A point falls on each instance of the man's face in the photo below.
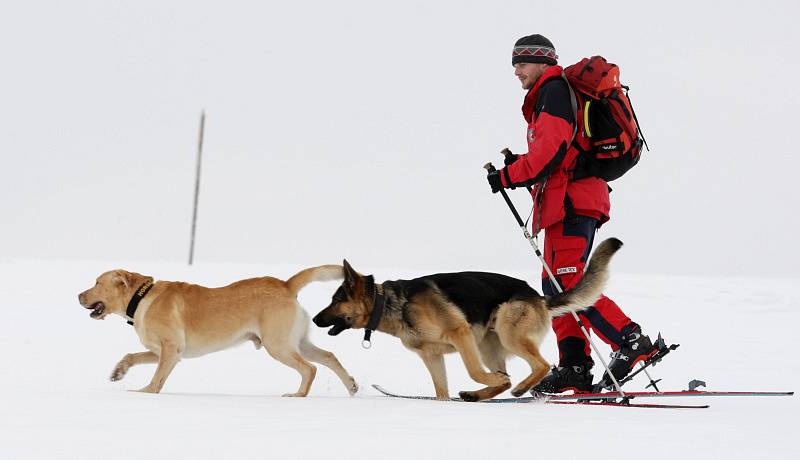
(528, 73)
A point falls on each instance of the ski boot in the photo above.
(564, 378)
(636, 347)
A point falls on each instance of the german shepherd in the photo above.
(485, 317)
(177, 320)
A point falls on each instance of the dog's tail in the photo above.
(309, 275)
(589, 288)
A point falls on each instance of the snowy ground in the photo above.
(57, 402)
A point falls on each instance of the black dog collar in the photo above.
(378, 302)
(137, 297)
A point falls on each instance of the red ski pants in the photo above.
(567, 246)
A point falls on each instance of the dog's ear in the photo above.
(350, 275)
(351, 278)
(122, 278)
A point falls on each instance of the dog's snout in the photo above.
(318, 320)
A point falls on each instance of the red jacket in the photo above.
(551, 157)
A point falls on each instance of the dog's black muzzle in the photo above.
(325, 320)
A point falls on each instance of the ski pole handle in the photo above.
(508, 157)
(489, 167)
(507, 153)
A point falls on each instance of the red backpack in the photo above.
(608, 120)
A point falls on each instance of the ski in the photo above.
(386, 392)
(606, 399)
(608, 403)
(611, 395)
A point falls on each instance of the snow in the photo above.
(736, 334)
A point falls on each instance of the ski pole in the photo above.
(490, 168)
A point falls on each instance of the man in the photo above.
(569, 211)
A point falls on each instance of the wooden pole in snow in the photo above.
(197, 183)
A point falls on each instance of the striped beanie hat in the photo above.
(536, 49)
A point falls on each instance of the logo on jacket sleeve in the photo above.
(564, 270)
(530, 135)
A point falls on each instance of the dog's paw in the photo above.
(469, 396)
(119, 371)
(352, 387)
(519, 391)
(294, 395)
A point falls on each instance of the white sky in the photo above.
(358, 130)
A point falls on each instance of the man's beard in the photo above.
(528, 83)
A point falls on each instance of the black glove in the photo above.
(494, 181)
(509, 158)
